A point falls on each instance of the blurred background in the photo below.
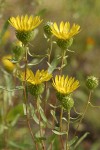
(84, 61)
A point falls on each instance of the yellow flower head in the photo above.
(64, 31)
(65, 85)
(8, 65)
(25, 23)
(38, 78)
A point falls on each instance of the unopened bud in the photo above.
(91, 82)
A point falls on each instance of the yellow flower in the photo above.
(25, 23)
(65, 85)
(8, 65)
(64, 31)
(24, 26)
(38, 78)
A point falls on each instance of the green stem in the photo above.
(61, 112)
(39, 116)
(61, 115)
(86, 107)
(67, 136)
(26, 101)
(49, 60)
(50, 50)
(62, 61)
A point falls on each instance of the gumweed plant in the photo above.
(38, 84)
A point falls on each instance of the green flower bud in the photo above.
(91, 82)
(18, 52)
(60, 96)
(36, 90)
(47, 29)
(64, 44)
(67, 102)
(24, 36)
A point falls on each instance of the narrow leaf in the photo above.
(81, 139)
(54, 116)
(43, 115)
(53, 65)
(71, 142)
(59, 133)
(15, 112)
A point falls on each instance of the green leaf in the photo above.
(38, 136)
(47, 94)
(51, 139)
(71, 142)
(59, 133)
(54, 116)
(4, 29)
(81, 139)
(40, 139)
(63, 118)
(42, 12)
(54, 106)
(15, 113)
(15, 145)
(36, 61)
(3, 128)
(53, 65)
(33, 113)
(96, 145)
(43, 115)
(11, 90)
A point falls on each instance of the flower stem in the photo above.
(67, 136)
(26, 101)
(61, 112)
(86, 107)
(50, 50)
(61, 115)
(62, 61)
(39, 117)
